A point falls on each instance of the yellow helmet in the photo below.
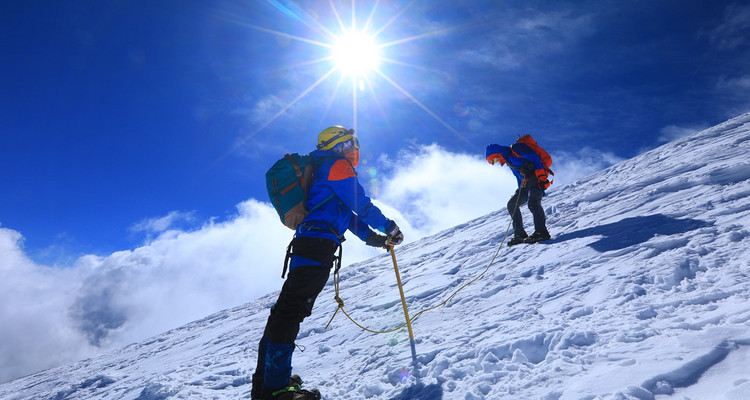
(333, 135)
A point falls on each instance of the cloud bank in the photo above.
(52, 315)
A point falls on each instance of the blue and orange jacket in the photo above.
(519, 157)
(337, 202)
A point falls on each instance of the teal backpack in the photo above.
(287, 182)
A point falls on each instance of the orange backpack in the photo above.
(542, 175)
(543, 155)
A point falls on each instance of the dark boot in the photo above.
(293, 391)
(538, 237)
(518, 238)
(296, 394)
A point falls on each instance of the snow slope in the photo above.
(642, 294)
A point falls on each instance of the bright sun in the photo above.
(355, 54)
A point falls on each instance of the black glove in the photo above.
(394, 234)
(375, 240)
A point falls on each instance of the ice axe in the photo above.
(403, 303)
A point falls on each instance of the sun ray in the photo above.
(422, 106)
(336, 14)
(293, 102)
(287, 9)
(393, 19)
(330, 101)
(354, 102)
(278, 114)
(376, 99)
(422, 36)
(301, 64)
(286, 35)
(371, 16)
(405, 64)
(301, 16)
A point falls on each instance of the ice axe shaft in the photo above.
(403, 303)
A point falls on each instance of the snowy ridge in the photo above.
(642, 294)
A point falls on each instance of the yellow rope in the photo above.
(336, 280)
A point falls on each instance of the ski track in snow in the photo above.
(641, 294)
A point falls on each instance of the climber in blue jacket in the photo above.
(337, 203)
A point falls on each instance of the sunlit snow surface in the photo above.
(642, 294)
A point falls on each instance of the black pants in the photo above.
(302, 286)
(533, 195)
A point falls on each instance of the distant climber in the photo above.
(528, 166)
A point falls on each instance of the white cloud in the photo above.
(569, 167)
(56, 315)
(556, 29)
(107, 302)
(36, 332)
(528, 35)
(732, 31)
(739, 86)
(181, 276)
(673, 132)
(434, 189)
(159, 225)
(263, 109)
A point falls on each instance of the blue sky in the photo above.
(122, 120)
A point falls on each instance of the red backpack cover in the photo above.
(543, 155)
(542, 175)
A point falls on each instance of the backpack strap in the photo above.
(317, 163)
(326, 199)
(298, 171)
(287, 258)
(337, 260)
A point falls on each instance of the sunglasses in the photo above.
(348, 146)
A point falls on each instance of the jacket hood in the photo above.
(497, 149)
